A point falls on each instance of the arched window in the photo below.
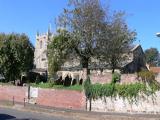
(40, 44)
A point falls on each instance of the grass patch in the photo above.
(42, 85)
(6, 84)
(53, 86)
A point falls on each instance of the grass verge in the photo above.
(53, 86)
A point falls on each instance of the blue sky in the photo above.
(30, 16)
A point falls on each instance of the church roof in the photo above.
(94, 66)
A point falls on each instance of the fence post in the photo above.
(24, 103)
(13, 100)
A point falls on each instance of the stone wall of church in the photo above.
(40, 54)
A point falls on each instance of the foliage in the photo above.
(5, 84)
(93, 32)
(53, 86)
(87, 87)
(154, 86)
(42, 85)
(16, 55)
(38, 80)
(58, 51)
(118, 38)
(83, 21)
(126, 91)
(147, 76)
(152, 56)
(130, 91)
(116, 77)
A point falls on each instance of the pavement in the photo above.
(37, 112)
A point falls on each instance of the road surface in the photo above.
(11, 114)
(22, 114)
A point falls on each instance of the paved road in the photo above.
(14, 114)
(11, 114)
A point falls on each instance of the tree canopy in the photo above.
(116, 41)
(58, 50)
(16, 55)
(152, 56)
(92, 31)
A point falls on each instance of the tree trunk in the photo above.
(86, 103)
(84, 62)
(113, 64)
(90, 104)
(113, 70)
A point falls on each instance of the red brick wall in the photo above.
(61, 98)
(107, 78)
(47, 97)
(129, 78)
(7, 93)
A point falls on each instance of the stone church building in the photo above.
(40, 53)
(135, 62)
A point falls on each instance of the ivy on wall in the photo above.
(126, 91)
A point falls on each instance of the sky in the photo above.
(30, 16)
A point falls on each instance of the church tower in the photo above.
(40, 54)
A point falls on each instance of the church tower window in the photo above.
(40, 44)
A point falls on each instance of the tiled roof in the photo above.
(38, 70)
(155, 69)
(135, 47)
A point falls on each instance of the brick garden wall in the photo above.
(61, 98)
(107, 78)
(76, 100)
(47, 97)
(7, 93)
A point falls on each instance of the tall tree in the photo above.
(16, 55)
(84, 20)
(115, 44)
(90, 31)
(94, 32)
(59, 50)
(152, 56)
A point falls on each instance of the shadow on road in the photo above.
(26, 119)
(9, 117)
(6, 117)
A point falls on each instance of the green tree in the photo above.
(84, 21)
(115, 44)
(59, 50)
(94, 32)
(16, 55)
(89, 31)
(152, 56)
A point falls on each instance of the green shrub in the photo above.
(116, 77)
(87, 87)
(147, 76)
(126, 91)
(38, 80)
